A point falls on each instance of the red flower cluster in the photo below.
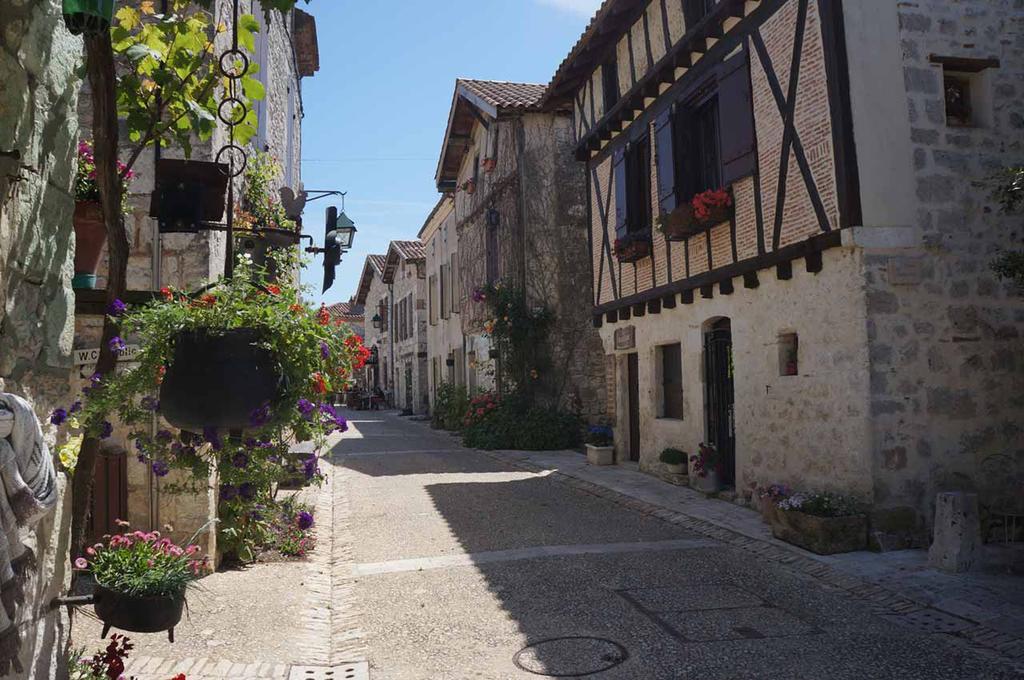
(479, 407)
(319, 383)
(110, 662)
(323, 317)
(703, 203)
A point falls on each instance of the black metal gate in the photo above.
(718, 397)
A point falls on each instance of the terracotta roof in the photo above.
(409, 250)
(377, 261)
(585, 56)
(374, 265)
(350, 310)
(505, 95)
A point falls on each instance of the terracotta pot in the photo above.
(822, 535)
(90, 236)
(138, 614)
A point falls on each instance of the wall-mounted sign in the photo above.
(625, 337)
(85, 357)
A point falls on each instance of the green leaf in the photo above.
(253, 89)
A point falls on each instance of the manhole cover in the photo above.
(570, 657)
(930, 621)
(359, 670)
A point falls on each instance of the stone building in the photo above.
(285, 52)
(451, 357)
(405, 276)
(842, 330)
(375, 298)
(39, 60)
(519, 219)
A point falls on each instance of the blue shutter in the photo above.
(665, 160)
(621, 202)
(736, 120)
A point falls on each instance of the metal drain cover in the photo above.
(359, 670)
(570, 657)
(930, 621)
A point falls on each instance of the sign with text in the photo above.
(85, 357)
(625, 338)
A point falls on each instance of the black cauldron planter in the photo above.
(138, 614)
(218, 379)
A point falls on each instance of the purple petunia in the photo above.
(337, 421)
(260, 416)
(95, 379)
(58, 416)
(160, 468)
(310, 468)
(240, 460)
(106, 429)
(117, 308)
(247, 491)
(151, 403)
(228, 492)
(117, 344)
(164, 436)
(325, 350)
(304, 520)
(76, 407)
(210, 435)
(305, 407)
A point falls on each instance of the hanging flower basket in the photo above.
(219, 379)
(90, 236)
(138, 614)
(680, 223)
(713, 207)
(632, 248)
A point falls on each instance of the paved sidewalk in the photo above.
(986, 609)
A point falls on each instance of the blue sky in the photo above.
(377, 109)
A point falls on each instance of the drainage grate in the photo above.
(570, 657)
(929, 621)
(359, 670)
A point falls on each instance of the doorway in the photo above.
(633, 395)
(109, 501)
(408, 388)
(720, 428)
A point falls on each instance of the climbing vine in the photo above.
(518, 331)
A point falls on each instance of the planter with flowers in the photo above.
(600, 443)
(260, 220)
(704, 469)
(245, 371)
(712, 207)
(824, 523)
(679, 224)
(633, 247)
(141, 579)
(90, 230)
(674, 460)
(769, 497)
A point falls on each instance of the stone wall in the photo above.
(38, 138)
(411, 352)
(947, 375)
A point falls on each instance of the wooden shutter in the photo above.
(621, 192)
(736, 119)
(665, 159)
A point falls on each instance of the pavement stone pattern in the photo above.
(900, 608)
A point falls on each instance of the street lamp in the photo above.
(346, 231)
(376, 321)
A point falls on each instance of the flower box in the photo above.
(680, 224)
(600, 455)
(138, 614)
(821, 535)
(713, 207)
(632, 249)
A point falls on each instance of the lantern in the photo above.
(88, 17)
(376, 320)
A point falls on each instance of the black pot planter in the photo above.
(218, 380)
(138, 614)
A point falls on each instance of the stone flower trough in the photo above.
(821, 535)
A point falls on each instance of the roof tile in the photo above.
(505, 95)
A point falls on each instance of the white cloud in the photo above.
(584, 7)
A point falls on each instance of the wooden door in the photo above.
(633, 387)
(109, 495)
(720, 428)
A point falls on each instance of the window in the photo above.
(382, 310)
(633, 188)
(432, 299)
(454, 284)
(706, 141)
(445, 290)
(695, 10)
(966, 88)
(789, 354)
(610, 84)
(958, 99)
(671, 363)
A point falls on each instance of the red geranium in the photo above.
(703, 203)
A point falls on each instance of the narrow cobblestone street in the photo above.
(443, 562)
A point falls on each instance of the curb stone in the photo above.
(977, 635)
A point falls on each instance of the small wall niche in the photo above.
(789, 354)
(967, 90)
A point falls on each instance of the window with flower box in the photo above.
(632, 170)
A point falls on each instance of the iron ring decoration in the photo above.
(231, 73)
(233, 149)
(239, 115)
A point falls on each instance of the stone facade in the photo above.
(190, 261)
(405, 276)
(520, 218)
(39, 60)
(375, 297)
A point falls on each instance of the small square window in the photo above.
(789, 354)
(957, 90)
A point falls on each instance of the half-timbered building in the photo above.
(405, 276)
(782, 201)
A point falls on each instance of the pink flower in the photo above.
(90, 551)
(81, 563)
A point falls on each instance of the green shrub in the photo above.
(673, 457)
(450, 407)
(515, 424)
